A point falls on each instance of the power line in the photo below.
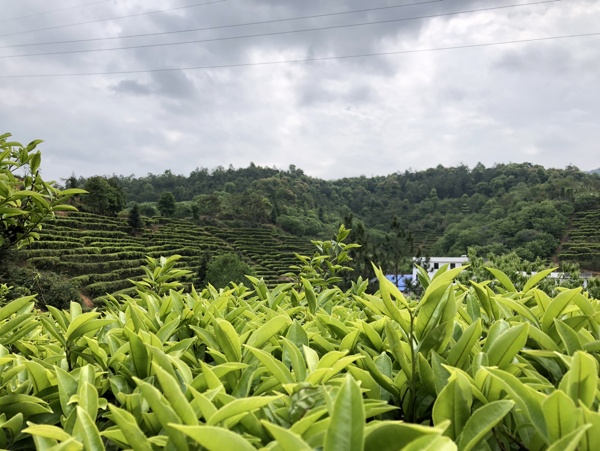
(307, 60)
(112, 18)
(276, 33)
(54, 11)
(264, 22)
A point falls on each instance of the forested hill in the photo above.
(521, 207)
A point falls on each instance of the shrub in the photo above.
(148, 209)
(291, 224)
(26, 200)
(135, 219)
(166, 204)
(478, 366)
(51, 288)
(225, 268)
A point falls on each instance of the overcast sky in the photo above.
(536, 101)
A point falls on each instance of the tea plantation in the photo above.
(583, 241)
(304, 366)
(294, 363)
(100, 253)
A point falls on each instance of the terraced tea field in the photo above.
(583, 241)
(101, 254)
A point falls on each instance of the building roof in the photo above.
(401, 280)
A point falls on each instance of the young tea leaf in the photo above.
(454, 404)
(481, 422)
(286, 439)
(215, 438)
(346, 430)
(559, 413)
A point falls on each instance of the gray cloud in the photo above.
(535, 102)
(175, 85)
(131, 87)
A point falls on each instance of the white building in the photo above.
(432, 264)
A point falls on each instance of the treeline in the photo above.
(523, 208)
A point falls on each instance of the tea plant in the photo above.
(26, 200)
(304, 366)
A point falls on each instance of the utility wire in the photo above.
(264, 22)
(276, 33)
(112, 18)
(307, 60)
(54, 11)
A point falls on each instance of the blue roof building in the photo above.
(402, 281)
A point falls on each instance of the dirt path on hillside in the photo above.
(86, 301)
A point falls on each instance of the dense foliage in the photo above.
(478, 366)
(50, 288)
(472, 364)
(523, 208)
(98, 254)
(225, 268)
(583, 243)
(166, 204)
(134, 219)
(26, 200)
(104, 196)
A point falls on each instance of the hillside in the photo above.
(468, 363)
(582, 242)
(100, 254)
(523, 208)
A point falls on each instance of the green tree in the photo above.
(203, 268)
(366, 252)
(26, 200)
(105, 196)
(253, 207)
(291, 224)
(208, 204)
(49, 287)
(226, 268)
(166, 204)
(401, 248)
(135, 218)
(195, 211)
(148, 209)
(72, 182)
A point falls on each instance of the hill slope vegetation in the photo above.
(523, 208)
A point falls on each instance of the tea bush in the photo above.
(304, 365)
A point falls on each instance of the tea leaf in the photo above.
(481, 422)
(215, 438)
(346, 430)
(238, 406)
(454, 403)
(288, 440)
(130, 429)
(581, 381)
(559, 411)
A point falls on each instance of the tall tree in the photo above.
(166, 204)
(135, 218)
(401, 248)
(105, 196)
(362, 256)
